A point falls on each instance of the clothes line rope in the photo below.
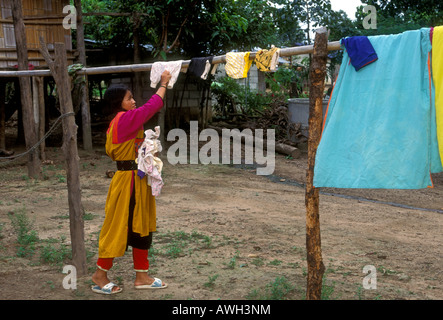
(284, 52)
(5, 160)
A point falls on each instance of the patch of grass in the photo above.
(232, 263)
(26, 237)
(88, 216)
(258, 262)
(211, 281)
(327, 290)
(276, 290)
(275, 262)
(180, 243)
(385, 271)
(60, 178)
(55, 252)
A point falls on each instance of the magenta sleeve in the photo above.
(132, 120)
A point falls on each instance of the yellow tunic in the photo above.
(437, 72)
(114, 232)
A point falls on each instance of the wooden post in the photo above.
(85, 108)
(34, 164)
(2, 115)
(42, 114)
(59, 70)
(317, 76)
(138, 79)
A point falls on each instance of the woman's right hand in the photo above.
(165, 77)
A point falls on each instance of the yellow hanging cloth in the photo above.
(437, 75)
(238, 64)
(267, 60)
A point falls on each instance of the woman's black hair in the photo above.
(113, 97)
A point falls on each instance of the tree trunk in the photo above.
(317, 75)
(85, 108)
(59, 71)
(29, 124)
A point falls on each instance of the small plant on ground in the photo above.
(53, 254)
(211, 281)
(276, 290)
(26, 237)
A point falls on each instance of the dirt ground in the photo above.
(226, 233)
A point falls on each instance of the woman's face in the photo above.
(128, 102)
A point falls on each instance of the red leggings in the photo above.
(139, 256)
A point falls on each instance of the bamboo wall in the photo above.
(42, 18)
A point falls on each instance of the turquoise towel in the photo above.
(380, 129)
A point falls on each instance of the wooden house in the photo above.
(42, 18)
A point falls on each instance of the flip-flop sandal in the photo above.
(157, 284)
(106, 289)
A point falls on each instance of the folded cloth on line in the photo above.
(200, 67)
(267, 60)
(437, 74)
(380, 129)
(157, 69)
(148, 163)
(238, 64)
(360, 51)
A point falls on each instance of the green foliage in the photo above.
(26, 237)
(276, 290)
(234, 99)
(55, 255)
(201, 27)
(397, 16)
(211, 281)
(178, 241)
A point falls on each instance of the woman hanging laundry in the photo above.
(130, 207)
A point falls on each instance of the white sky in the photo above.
(348, 6)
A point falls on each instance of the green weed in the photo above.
(55, 254)
(211, 281)
(276, 290)
(26, 237)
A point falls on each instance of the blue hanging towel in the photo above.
(360, 51)
(380, 128)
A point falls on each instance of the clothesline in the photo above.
(383, 127)
(284, 52)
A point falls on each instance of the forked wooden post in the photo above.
(317, 75)
(59, 70)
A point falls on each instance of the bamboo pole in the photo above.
(143, 67)
(317, 74)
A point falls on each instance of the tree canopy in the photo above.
(396, 16)
(209, 27)
(188, 27)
